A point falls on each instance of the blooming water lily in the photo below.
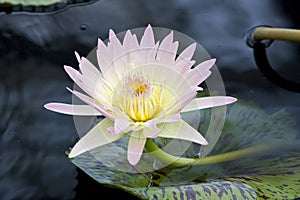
(140, 88)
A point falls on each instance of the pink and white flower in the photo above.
(140, 88)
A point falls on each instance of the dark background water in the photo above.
(35, 46)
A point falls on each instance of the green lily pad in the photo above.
(31, 2)
(267, 175)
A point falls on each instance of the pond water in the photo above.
(35, 46)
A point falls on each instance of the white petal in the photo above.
(208, 102)
(182, 99)
(173, 118)
(96, 137)
(150, 129)
(135, 147)
(103, 92)
(70, 109)
(176, 92)
(181, 130)
(121, 125)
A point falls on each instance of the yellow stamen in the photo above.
(139, 100)
(141, 89)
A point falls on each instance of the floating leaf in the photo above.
(267, 175)
(31, 2)
(39, 6)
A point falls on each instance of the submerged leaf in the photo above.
(269, 175)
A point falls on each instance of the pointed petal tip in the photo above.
(67, 68)
(52, 106)
(193, 46)
(74, 152)
(231, 99)
(55, 107)
(47, 106)
(148, 30)
(71, 155)
(100, 43)
(77, 56)
(210, 63)
(71, 71)
(204, 142)
(70, 90)
(112, 34)
(213, 60)
(99, 40)
(199, 139)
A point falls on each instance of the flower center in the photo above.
(139, 99)
(138, 87)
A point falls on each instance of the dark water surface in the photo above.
(34, 48)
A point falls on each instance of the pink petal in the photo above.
(89, 70)
(70, 109)
(115, 48)
(198, 77)
(206, 65)
(104, 56)
(130, 41)
(87, 85)
(77, 56)
(200, 72)
(182, 130)
(183, 61)
(208, 102)
(92, 103)
(187, 53)
(167, 50)
(96, 137)
(131, 58)
(150, 54)
(135, 147)
(183, 66)
(148, 37)
(114, 41)
(98, 89)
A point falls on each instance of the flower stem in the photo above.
(264, 33)
(224, 157)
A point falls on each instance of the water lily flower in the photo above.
(140, 87)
